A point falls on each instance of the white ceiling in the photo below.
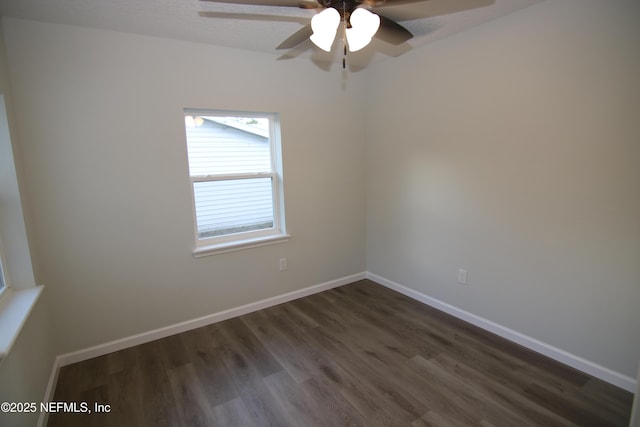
(257, 28)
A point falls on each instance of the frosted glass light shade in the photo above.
(324, 26)
(364, 26)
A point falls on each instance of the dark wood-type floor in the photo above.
(358, 355)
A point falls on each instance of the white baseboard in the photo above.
(561, 356)
(48, 393)
(120, 344)
(635, 409)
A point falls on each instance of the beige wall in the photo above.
(100, 115)
(512, 151)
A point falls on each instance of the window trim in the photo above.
(4, 276)
(16, 304)
(238, 245)
(248, 239)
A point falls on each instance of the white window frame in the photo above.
(4, 277)
(247, 239)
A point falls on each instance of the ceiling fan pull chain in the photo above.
(344, 57)
(344, 35)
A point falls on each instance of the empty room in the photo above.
(260, 212)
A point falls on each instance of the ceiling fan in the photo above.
(359, 19)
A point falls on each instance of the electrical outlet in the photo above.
(462, 276)
(283, 264)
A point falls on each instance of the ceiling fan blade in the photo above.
(433, 7)
(254, 17)
(304, 4)
(392, 32)
(296, 38)
(383, 3)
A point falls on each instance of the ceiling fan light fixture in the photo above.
(325, 26)
(324, 41)
(356, 40)
(364, 26)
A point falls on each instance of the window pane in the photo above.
(233, 206)
(2, 285)
(222, 145)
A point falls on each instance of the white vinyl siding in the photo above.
(217, 149)
(234, 171)
(224, 207)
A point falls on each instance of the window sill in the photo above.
(239, 245)
(15, 308)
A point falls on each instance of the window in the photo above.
(4, 284)
(236, 179)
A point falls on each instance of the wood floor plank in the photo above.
(208, 363)
(125, 397)
(340, 411)
(500, 394)
(574, 406)
(231, 413)
(614, 399)
(356, 355)
(364, 322)
(433, 419)
(397, 400)
(301, 405)
(189, 399)
(157, 408)
(247, 362)
(263, 408)
(474, 406)
(331, 376)
(245, 343)
(282, 346)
